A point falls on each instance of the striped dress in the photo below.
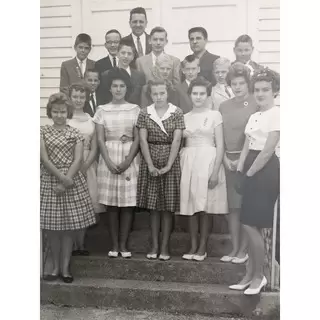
(119, 190)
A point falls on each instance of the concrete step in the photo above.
(138, 267)
(51, 312)
(97, 241)
(206, 299)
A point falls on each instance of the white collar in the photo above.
(128, 70)
(154, 57)
(111, 59)
(155, 117)
(83, 61)
(188, 83)
(135, 38)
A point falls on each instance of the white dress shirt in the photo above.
(82, 65)
(111, 60)
(95, 100)
(142, 40)
(154, 57)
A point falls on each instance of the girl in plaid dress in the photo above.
(118, 140)
(65, 204)
(160, 130)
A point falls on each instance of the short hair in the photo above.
(243, 38)
(127, 43)
(189, 59)
(138, 10)
(93, 70)
(200, 82)
(118, 74)
(59, 98)
(198, 29)
(163, 58)
(221, 61)
(83, 37)
(113, 31)
(158, 82)
(268, 75)
(158, 29)
(79, 86)
(238, 69)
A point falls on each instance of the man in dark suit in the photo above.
(138, 80)
(139, 39)
(198, 38)
(112, 40)
(92, 80)
(72, 71)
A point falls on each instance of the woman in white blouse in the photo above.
(259, 176)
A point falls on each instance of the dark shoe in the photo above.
(67, 279)
(83, 253)
(50, 277)
(76, 252)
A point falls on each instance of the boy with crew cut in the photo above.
(73, 70)
(92, 79)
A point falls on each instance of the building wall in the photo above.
(225, 20)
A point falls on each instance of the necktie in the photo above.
(139, 45)
(227, 91)
(114, 62)
(93, 102)
(81, 69)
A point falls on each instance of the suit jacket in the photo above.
(147, 101)
(206, 66)
(219, 95)
(184, 100)
(103, 65)
(145, 65)
(87, 107)
(70, 73)
(148, 48)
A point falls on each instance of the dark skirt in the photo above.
(260, 192)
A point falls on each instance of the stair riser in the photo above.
(154, 300)
(170, 271)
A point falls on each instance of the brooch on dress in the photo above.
(246, 103)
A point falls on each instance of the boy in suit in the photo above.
(198, 38)
(92, 80)
(138, 38)
(190, 67)
(72, 71)
(243, 49)
(112, 41)
(158, 40)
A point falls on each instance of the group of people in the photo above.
(194, 138)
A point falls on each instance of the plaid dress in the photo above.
(119, 190)
(73, 209)
(160, 193)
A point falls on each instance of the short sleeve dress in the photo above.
(119, 121)
(197, 162)
(235, 115)
(262, 189)
(160, 193)
(71, 210)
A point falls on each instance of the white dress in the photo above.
(197, 162)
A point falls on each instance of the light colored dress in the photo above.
(86, 127)
(119, 121)
(197, 162)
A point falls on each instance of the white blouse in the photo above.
(259, 126)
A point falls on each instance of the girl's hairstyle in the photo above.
(238, 69)
(83, 37)
(265, 74)
(200, 82)
(58, 99)
(164, 58)
(221, 61)
(152, 83)
(119, 74)
(82, 87)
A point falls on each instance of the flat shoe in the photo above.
(164, 257)
(226, 259)
(197, 257)
(75, 252)
(83, 253)
(152, 256)
(67, 279)
(113, 254)
(240, 287)
(237, 260)
(188, 256)
(126, 254)
(50, 277)
(251, 292)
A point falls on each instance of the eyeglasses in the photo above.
(112, 42)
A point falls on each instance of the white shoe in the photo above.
(113, 254)
(188, 256)
(152, 256)
(227, 259)
(237, 260)
(240, 287)
(251, 292)
(199, 258)
(164, 257)
(126, 254)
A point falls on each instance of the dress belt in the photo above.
(160, 142)
(233, 152)
(122, 139)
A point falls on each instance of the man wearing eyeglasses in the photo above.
(112, 40)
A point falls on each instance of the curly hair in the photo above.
(59, 99)
(152, 83)
(200, 82)
(267, 75)
(238, 69)
(81, 86)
